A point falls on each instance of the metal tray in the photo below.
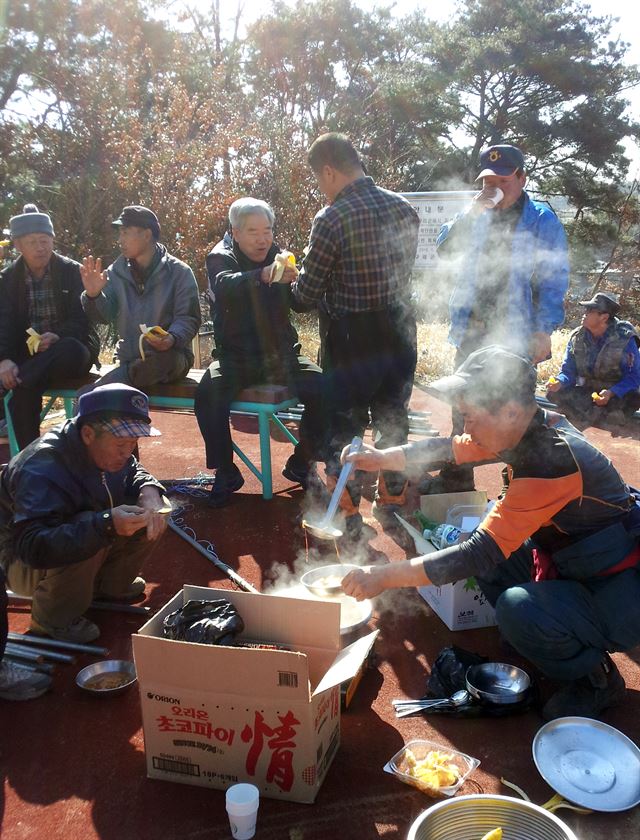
(589, 763)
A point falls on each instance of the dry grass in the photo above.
(435, 354)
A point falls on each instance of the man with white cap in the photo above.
(78, 513)
(600, 375)
(507, 255)
(40, 292)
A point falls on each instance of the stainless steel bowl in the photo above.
(105, 668)
(471, 817)
(320, 580)
(497, 682)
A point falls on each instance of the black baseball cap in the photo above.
(500, 160)
(490, 375)
(603, 303)
(138, 216)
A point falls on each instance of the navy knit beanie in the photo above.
(30, 221)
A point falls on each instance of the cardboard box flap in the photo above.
(295, 622)
(345, 665)
(435, 507)
(423, 546)
(283, 675)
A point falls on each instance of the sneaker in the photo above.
(20, 684)
(4, 432)
(81, 630)
(588, 696)
(300, 472)
(135, 590)
(226, 482)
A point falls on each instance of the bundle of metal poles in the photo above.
(36, 653)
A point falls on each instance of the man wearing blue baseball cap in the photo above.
(79, 514)
(507, 255)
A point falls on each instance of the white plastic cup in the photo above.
(242, 808)
(493, 200)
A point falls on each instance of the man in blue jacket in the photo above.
(147, 286)
(600, 375)
(508, 258)
(79, 515)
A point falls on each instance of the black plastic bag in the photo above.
(449, 669)
(207, 622)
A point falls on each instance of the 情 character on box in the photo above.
(600, 374)
(78, 514)
(256, 344)
(558, 555)
(357, 271)
(146, 286)
(40, 292)
(510, 271)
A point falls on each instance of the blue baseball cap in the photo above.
(500, 160)
(120, 409)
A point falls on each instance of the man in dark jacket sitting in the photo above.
(600, 374)
(79, 515)
(255, 344)
(40, 291)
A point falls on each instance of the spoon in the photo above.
(410, 707)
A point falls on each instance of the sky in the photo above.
(627, 27)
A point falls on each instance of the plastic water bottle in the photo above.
(443, 535)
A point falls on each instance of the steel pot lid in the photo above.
(589, 763)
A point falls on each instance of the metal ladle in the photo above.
(324, 530)
(410, 707)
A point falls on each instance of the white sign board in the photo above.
(434, 209)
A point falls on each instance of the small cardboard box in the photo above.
(461, 605)
(215, 715)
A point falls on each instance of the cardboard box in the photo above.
(461, 605)
(214, 715)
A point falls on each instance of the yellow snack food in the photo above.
(595, 395)
(432, 772)
(280, 262)
(496, 834)
(33, 342)
(145, 330)
(553, 380)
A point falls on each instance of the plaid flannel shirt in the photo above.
(361, 251)
(42, 303)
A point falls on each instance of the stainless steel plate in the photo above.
(589, 763)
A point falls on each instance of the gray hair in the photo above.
(244, 207)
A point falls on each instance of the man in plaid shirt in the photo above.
(357, 271)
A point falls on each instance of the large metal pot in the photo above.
(471, 817)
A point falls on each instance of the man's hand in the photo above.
(9, 374)
(160, 343)
(603, 397)
(128, 519)
(150, 499)
(289, 274)
(371, 459)
(46, 340)
(366, 582)
(94, 279)
(539, 347)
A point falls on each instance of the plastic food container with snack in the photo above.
(403, 766)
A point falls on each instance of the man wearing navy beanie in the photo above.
(44, 334)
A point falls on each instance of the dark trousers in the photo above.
(67, 359)
(4, 624)
(577, 404)
(370, 364)
(225, 378)
(157, 369)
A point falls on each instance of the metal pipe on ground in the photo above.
(23, 653)
(94, 605)
(14, 647)
(56, 644)
(217, 562)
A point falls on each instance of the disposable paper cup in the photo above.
(496, 198)
(242, 807)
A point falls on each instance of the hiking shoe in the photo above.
(300, 472)
(135, 590)
(20, 684)
(588, 696)
(80, 630)
(226, 482)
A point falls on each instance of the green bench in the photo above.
(263, 401)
